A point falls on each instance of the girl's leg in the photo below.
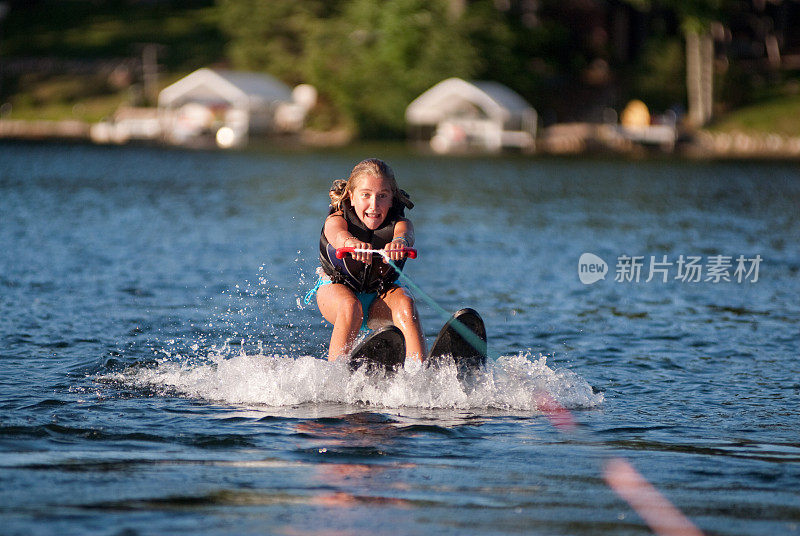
(398, 307)
(339, 305)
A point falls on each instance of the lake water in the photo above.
(159, 373)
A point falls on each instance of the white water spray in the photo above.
(274, 380)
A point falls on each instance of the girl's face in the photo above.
(371, 199)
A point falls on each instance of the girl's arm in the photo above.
(338, 236)
(403, 238)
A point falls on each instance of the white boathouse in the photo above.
(457, 115)
(230, 106)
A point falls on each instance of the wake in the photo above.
(514, 382)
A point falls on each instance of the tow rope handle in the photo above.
(341, 252)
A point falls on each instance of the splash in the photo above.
(509, 383)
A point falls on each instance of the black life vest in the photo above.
(361, 277)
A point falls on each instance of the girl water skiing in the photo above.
(367, 211)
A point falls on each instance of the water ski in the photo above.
(383, 349)
(468, 353)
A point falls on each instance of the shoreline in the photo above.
(562, 140)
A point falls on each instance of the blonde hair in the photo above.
(341, 189)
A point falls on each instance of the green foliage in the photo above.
(694, 15)
(776, 115)
(519, 55)
(378, 56)
(85, 29)
(660, 74)
(370, 58)
(64, 97)
(273, 36)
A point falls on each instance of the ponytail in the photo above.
(338, 193)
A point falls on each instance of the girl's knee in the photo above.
(349, 312)
(405, 310)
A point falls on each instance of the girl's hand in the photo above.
(366, 258)
(395, 249)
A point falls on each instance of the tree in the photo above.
(699, 74)
(378, 56)
(272, 36)
(368, 58)
(696, 18)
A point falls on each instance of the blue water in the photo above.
(159, 373)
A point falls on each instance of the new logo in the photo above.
(591, 268)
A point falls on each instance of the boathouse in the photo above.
(230, 105)
(457, 115)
